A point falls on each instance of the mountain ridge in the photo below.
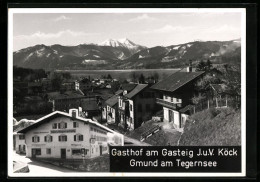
(124, 54)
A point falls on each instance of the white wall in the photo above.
(56, 145)
(19, 142)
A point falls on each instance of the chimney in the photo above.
(73, 113)
(189, 68)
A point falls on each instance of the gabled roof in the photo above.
(57, 114)
(136, 90)
(65, 95)
(219, 88)
(176, 80)
(89, 104)
(128, 86)
(112, 100)
(118, 92)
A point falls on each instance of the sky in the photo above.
(147, 29)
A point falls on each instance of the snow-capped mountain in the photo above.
(124, 54)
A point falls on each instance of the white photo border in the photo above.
(12, 11)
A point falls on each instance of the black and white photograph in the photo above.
(84, 83)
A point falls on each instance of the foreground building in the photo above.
(177, 91)
(68, 136)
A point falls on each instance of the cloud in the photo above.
(167, 29)
(143, 17)
(62, 17)
(64, 37)
(42, 35)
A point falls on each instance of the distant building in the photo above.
(177, 91)
(19, 143)
(68, 136)
(111, 108)
(63, 101)
(91, 107)
(136, 106)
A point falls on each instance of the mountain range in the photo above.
(125, 54)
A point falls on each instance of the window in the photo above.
(139, 108)
(76, 152)
(62, 125)
(35, 139)
(78, 137)
(54, 126)
(147, 107)
(48, 138)
(171, 99)
(48, 151)
(75, 124)
(21, 137)
(62, 138)
(131, 107)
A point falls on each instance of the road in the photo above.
(40, 168)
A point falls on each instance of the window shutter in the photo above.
(65, 138)
(75, 138)
(59, 125)
(81, 137)
(59, 138)
(32, 139)
(65, 125)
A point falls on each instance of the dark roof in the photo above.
(219, 88)
(65, 95)
(118, 92)
(89, 104)
(57, 114)
(186, 108)
(112, 100)
(176, 80)
(128, 86)
(136, 90)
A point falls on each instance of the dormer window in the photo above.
(35, 139)
(62, 125)
(48, 138)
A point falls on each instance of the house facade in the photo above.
(67, 136)
(19, 143)
(177, 91)
(136, 106)
(111, 108)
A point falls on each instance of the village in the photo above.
(80, 119)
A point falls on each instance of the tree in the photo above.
(208, 65)
(133, 76)
(201, 66)
(156, 76)
(142, 78)
(109, 77)
(56, 80)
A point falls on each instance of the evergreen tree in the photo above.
(142, 78)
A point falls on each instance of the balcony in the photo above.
(168, 104)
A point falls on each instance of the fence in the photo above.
(216, 103)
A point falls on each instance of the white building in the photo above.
(67, 136)
(19, 143)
